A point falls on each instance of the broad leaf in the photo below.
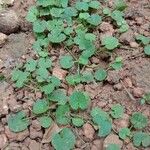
(100, 74)
(66, 61)
(45, 121)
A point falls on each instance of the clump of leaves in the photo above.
(141, 139)
(102, 120)
(117, 64)
(64, 140)
(138, 120)
(18, 122)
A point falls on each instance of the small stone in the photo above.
(35, 134)
(88, 131)
(3, 141)
(9, 22)
(139, 20)
(118, 87)
(36, 125)
(38, 95)
(34, 145)
(3, 39)
(123, 122)
(59, 73)
(97, 144)
(138, 92)
(16, 136)
(112, 139)
(113, 77)
(134, 45)
(7, 2)
(128, 82)
(95, 60)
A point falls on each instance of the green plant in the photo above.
(117, 64)
(113, 147)
(100, 74)
(138, 120)
(143, 39)
(45, 121)
(117, 111)
(64, 140)
(124, 133)
(147, 50)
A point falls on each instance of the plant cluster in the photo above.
(57, 23)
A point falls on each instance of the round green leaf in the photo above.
(117, 111)
(18, 122)
(64, 140)
(40, 106)
(79, 100)
(138, 120)
(62, 114)
(39, 26)
(66, 61)
(113, 147)
(94, 4)
(147, 50)
(124, 133)
(82, 6)
(94, 19)
(45, 121)
(78, 122)
(110, 42)
(100, 74)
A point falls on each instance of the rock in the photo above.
(128, 82)
(95, 60)
(3, 141)
(14, 146)
(113, 77)
(35, 134)
(88, 131)
(16, 136)
(134, 44)
(127, 37)
(3, 38)
(34, 145)
(38, 95)
(118, 87)
(7, 2)
(138, 92)
(123, 122)
(112, 139)
(9, 22)
(107, 28)
(97, 144)
(59, 73)
(36, 125)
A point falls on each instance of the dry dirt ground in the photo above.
(126, 86)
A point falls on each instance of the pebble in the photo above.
(138, 92)
(112, 139)
(9, 22)
(3, 141)
(16, 136)
(134, 44)
(3, 38)
(88, 131)
(34, 145)
(113, 77)
(7, 2)
(128, 82)
(35, 134)
(59, 73)
(118, 87)
(97, 144)
(36, 125)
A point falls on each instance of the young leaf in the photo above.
(124, 133)
(113, 147)
(40, 106)
(78, 122)
(79, 100)
(62, 114)
(117, 64)
(58, 96)
(39, 26)
(64, 3)
(100, 74)
(107, 11)
(45, 63)
(65, 140)
(147, 50)
(66, 61)
(73, 79)
(94, 19)
(94, 4)
(120, 5)
(55, 81)
(103, 121)
(143, 39)
(18, 122)
(31, 65)
(87, 77)
(56, 12)
(146, 97)
(117, 111)
(141, 138)
(42, 74)
(82, 6)
(138, 120)
(45, 121)
(32, 14)
(110, 42)
(84, 16)
(46, 3)
(48, 89)
(19, 77)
